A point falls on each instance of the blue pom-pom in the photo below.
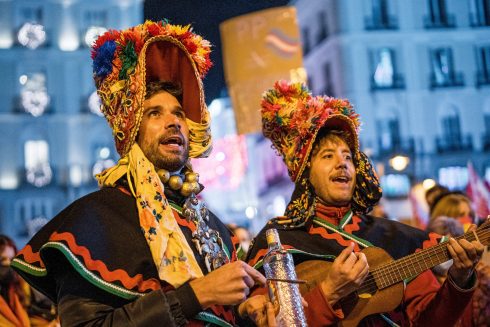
(103, 59)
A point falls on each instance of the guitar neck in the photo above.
(416, 263)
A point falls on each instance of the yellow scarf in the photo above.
(171, 253)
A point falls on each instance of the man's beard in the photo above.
(173, 163)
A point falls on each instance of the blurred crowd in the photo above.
(450, 214)
(21, 305)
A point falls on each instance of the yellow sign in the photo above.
(259, 49)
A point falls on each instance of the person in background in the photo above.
(477, 313)
(335, 186)
(433, 193)
(20, 305)
(144, 250)
(243, 236)
(454, 205)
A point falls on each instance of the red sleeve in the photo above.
(319, 312)
(430, 304)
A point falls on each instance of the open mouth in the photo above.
(341, 179)
(173, 140)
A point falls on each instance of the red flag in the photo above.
(420, 212)
(478, 192)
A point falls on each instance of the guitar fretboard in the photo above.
(416, 263)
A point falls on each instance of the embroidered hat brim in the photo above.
(125, 61)
(333, 122)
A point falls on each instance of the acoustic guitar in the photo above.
(382, 290)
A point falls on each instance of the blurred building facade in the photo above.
(52, 135)
(418, 72)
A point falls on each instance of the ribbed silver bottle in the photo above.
(279, 264)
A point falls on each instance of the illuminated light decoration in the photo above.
(23, 79)
(278, 205)
(104, 153)
(453, 177)
(32, 35)
(39, 176)
(76, 175)
(8, 181)
(101, 165)
(383, 75)
(34, 97)
(38, 171)
(94, 104)
(92, 33)
(226, 174)
(395, 185)
(34, 102)
(220, 156)
(250, 212)
(6, 39)
(215, 107)
(68, 38)
(428, 183)
(399, 162)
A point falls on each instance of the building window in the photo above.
(94, 24)
(483, 65)
(37, 167)
(306, 41)
(453, 177)
(389, 135)
(479, 13)
(443, 73)
(323, 27)
(486, 135)
(452, 138)
(31, 214)
(451, 129)
(384, 72)
(33, 14)
(328, 86)
(379, 17)
(438, 16)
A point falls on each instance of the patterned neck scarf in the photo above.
(171, 253)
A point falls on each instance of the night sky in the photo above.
(205, 16)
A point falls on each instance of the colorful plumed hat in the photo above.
(292, 118)
(125, 61)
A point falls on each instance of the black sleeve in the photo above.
(82, 304)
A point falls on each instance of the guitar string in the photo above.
(387, 271)
(392, 270)
(371, 281)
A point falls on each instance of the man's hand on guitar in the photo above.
(348, 272)
(465, 257)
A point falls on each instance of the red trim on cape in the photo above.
(183, 222)
(99, 266)
(354, 225)
(333, 236)
(31, 257)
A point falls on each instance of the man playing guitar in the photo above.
(326, 221)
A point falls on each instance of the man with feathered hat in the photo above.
(326, 220)
(144, 250)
